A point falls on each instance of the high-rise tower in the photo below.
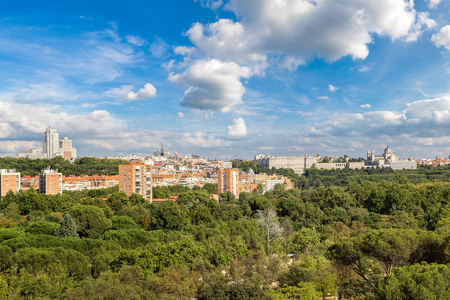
(51, 143)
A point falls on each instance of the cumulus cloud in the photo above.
(203, 140)
(237, 130)
(212, 84)
(365, 105)
(180, 115)
(422, 119)
(147, 91)
(300, 29)
(442, 38)
(332, 88)
(286, 33)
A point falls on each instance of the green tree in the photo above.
(91, 220)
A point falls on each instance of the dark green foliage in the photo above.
(67, 227)
(222, 290)
(344, 236)
(83, 165)
(91, 220)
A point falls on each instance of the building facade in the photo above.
(297, 163)
(136, 177)
(9, 181)
(51, 143)
(388, 160)
(66, 150)
(228, 181)
(50, 182)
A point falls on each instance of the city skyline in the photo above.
(227, 79)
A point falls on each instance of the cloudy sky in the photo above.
(227, 78)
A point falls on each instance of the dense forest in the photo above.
(81, 166)
(365, 240)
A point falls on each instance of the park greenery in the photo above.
(360, 238)
(81, 166)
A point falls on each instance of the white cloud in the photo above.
(135, 40)
(159, 48)
(237, 130)
(147, 91)
(330, 29)
(213, 4)
(442, 38)
(424, 118)
(365, 105)
(119, 92)
(212, 84)
(322, 98)
(332, 88)
(433, 3)
(203, 140)
(180, 115)
(364, 69)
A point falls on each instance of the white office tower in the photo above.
(51, 143)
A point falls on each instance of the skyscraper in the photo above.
(51, 143)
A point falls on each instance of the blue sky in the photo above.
(227, 79)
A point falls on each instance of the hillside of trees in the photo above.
(81, 166)
(367, 240)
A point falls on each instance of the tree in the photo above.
(91, 220)
(419, 281)
(268, 219)
(67, 227)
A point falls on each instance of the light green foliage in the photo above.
(123, 222)
(41, 227)
(419, 281)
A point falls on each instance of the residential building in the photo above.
(9, 181)
(228, 181)
(50, 182)
(136, 177)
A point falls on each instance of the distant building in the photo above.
(297, 163)
(50, 182)
(228, 181)
(66, 150)
(388, 160)
(52, 147)
(31, 154)
(9, 181)
(51, 143)
(136, 177)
